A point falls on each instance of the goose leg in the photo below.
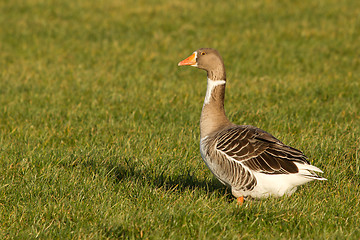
(240, 200)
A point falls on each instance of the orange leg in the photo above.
(240, 200)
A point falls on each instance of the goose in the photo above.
(251, 161)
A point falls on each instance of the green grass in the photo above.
(99, 127)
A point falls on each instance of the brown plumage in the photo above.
(249, 160)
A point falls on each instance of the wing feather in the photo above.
(258, 150)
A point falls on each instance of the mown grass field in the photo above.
(99, 127)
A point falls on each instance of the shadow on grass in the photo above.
(127, 170)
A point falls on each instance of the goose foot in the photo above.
(240, 200)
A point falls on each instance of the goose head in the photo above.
(209, 60)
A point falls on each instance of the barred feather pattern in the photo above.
(230, 173)
(234, 153)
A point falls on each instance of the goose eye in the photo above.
(203, 53)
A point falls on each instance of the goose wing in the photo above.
(258, 150)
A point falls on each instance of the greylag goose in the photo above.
(249, 160)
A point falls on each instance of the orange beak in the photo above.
(188, 61)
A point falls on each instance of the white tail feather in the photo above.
(308, 170)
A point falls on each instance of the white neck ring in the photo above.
(211, 84)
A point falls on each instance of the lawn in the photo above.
(99, 127)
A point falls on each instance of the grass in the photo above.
(99, 127)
